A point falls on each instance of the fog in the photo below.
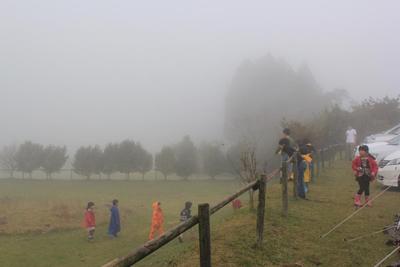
(87, 72)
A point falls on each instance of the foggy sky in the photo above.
(87, 72)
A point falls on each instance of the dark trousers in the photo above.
(301, 165)
(363, 182)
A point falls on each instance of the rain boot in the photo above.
(357, 200)
(369, 203)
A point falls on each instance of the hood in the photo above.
(155, 205)
(393, 155)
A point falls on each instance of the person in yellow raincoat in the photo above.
(307, 172)
(157, 220)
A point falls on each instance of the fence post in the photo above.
(341, 152)
(295, 174)
(261, 209)
(323, 158)
(204, 235)
(284, 188)
(318, 156)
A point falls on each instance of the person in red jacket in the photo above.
(365, 170)
(90, 220)
(157, 220)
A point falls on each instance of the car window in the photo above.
(394, 141)
(395, 130)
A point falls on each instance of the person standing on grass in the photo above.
(311, 151)
(351, 139)
(301, 167)
(185, 215)
(365, 170)
(286, 148)
(115, 223)
(157, 220)
(90, 220)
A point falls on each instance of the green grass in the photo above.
(57, 240)
(296, 239)
(44, 217)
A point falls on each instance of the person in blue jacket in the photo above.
(115, 224)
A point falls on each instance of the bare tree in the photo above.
(8, 159)
(249, 168)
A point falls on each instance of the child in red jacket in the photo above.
(90, 220)
(365, 170)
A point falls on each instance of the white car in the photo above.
(382, 149)
(389, 170)
(384, 136)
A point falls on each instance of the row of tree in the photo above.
(329, 126)
(127, 157)
(29, 157)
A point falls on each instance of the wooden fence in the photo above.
(203, 220)
(323, 158)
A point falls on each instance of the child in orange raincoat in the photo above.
(157, 220)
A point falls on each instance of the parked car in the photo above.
(382, 149)
(384, 136)
(389, 170)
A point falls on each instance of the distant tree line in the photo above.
(328, 127)
(127, 157)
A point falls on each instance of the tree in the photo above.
(8, 159)
(128, 157)
(213, 159)
(145, 160)
(29, 157)
(53, 159)
(165, 161)
(110, 159)
(186, 158)
(88, 161)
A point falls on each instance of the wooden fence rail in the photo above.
(322, 157)
(202, 219)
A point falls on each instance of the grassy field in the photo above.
(43, 223)
(40, 220)
(295, 241)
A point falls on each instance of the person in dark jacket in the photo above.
(286, 147)
(185, 215)
(115, 223)
(365, 170)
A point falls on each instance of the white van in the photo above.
(389, 170)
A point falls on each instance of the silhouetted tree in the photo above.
(128, 158)
(29, 157)
(87, 161)
(54, 158)
(165, 161)
(213, 159)
(186, 158)
(110, 159)
(145, 160)
(8, 159)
